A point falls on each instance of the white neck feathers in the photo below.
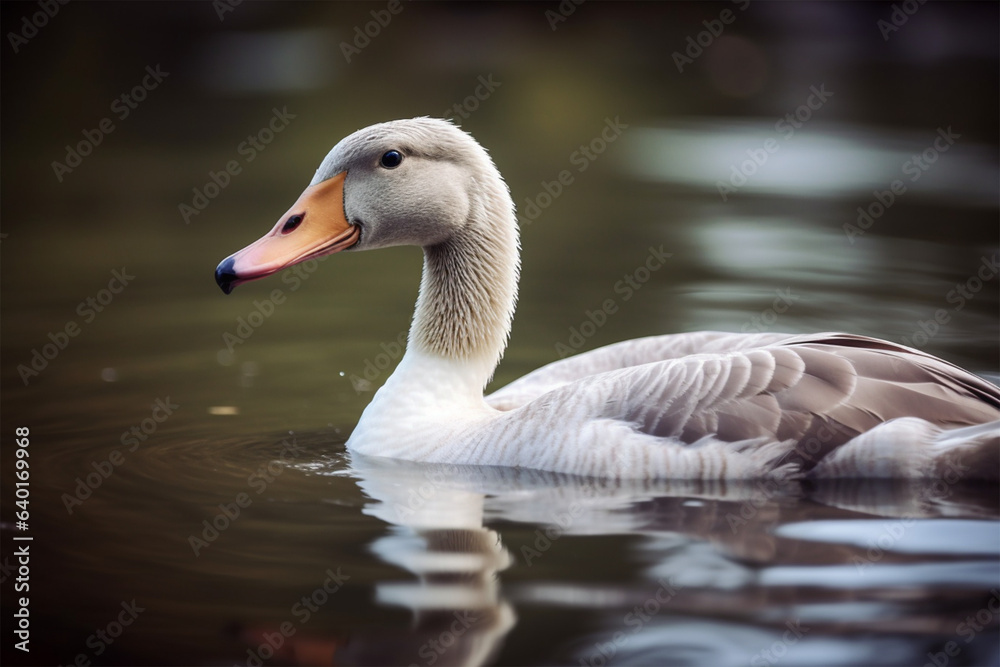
(469, 285)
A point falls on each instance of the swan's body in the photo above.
(706, 405)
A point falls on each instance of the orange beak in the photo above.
(314, 226)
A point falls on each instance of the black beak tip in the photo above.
(225, 276)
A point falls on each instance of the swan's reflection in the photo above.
(708, 546)
(459, 616)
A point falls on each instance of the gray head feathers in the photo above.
(448, 197)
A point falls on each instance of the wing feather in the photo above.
(817, 391)
(625, 354)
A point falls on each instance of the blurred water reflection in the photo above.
(757, 558)
(792, 158)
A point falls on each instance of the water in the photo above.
(219, 540)
(173, 408)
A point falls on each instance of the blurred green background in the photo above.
(556, 83)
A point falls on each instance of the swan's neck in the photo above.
(458, 334)
(468, 290)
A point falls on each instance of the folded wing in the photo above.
(815, 393)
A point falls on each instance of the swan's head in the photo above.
(405, 182)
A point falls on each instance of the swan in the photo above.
(707, 405)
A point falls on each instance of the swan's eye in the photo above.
(292, 222)
(391, 159)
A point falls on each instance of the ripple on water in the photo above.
(960, 537)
